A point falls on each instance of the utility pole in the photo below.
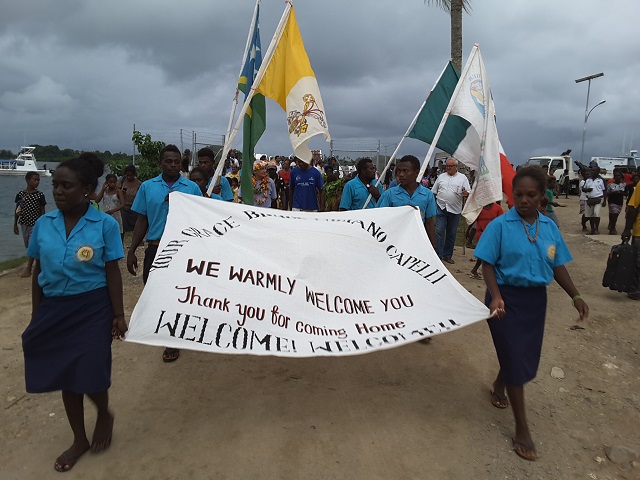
(586, 109)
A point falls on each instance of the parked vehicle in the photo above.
(607, 164)
(556, 165)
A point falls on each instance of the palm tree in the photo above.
(455, 9)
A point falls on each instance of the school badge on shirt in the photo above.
(84, 253)
(551, 252)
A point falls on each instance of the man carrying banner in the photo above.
(206, 159)
(410, 192)
(451, 189)
(152, 206)
(356, 191)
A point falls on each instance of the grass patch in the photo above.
(9, 264)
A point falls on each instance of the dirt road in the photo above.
(420, 411)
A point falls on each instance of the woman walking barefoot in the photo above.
(77, 305)
(522, 252)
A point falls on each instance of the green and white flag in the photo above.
(469, 134)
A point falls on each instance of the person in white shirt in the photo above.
(594, 187)
(450, 189)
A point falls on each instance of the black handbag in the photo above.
(621, 268)
(592, 201)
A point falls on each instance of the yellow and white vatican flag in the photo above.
(289, 80)
(286, 76)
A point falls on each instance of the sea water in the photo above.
(12, 245)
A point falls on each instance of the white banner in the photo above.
(230, 278)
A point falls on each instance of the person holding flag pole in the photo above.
(286, 76)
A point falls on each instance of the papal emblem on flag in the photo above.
(297, 121)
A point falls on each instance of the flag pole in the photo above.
(234, 103)
(447, 112)
(395, 152)
(247, 101)
(413, 123)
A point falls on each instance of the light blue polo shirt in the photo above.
(519, 262)
(75, 264)
(355, 193)
(150, 201)
(226, 193)
(421, 198)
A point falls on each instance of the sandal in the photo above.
(525, 450)
(498, 401)
(170, 355)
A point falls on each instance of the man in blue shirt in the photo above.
(307, 188)
(206, 161)
(152, 206)
(356, 191)
(410, 192)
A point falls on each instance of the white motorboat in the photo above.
(24, 162)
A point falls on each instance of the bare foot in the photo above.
(102, 433)
(68, 458)
(25, 273)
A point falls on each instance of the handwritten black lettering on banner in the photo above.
(236, 279)
(163, 258)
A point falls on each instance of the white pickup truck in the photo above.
(556, 165)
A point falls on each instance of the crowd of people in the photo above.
(77, 288)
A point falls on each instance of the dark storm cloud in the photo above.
(80, 73)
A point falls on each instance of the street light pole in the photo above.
(584, 130)
(586, 109)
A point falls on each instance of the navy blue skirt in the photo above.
(67, 345)
(518, 336)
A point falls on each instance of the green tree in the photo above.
(455, 9)
(7, 154)
(146, 163)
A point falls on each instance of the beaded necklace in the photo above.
(526, 230)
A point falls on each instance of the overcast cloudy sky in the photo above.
(80, 73)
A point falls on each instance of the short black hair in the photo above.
(169, 148)
(535, 173)
(109, 176)
(30, 175)
(206, 152)
(415, 163)
(130, 168)
(362, 163)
